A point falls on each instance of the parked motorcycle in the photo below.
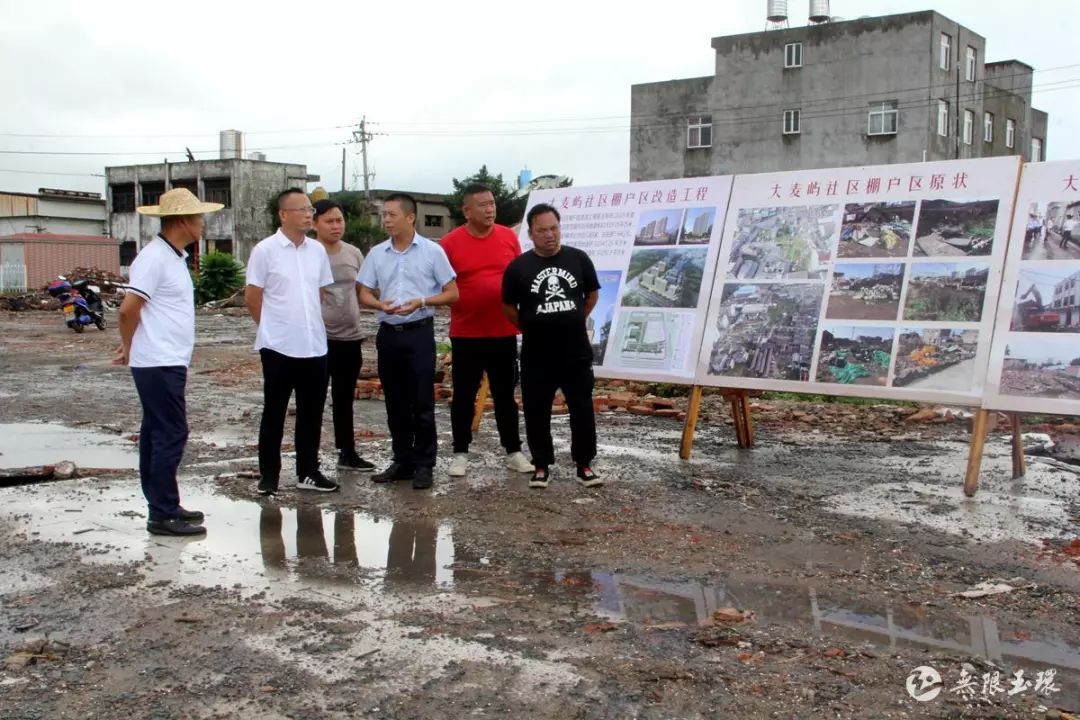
(80, 302)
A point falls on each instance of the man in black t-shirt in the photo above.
(548, 292)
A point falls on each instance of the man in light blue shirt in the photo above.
(403, 279)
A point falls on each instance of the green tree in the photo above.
(363, 232)
(219, 276)
(509, 210)
(271, 209)
(362, 226)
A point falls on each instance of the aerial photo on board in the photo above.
(956, 228)
(865, 291)
(766, 331)
(669, 278)
(936, 358)
(783, 243)
(854, 355)
(1042, 366)
(946, 291)
(876, 230)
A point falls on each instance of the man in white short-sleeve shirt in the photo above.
(286, 274)
(157, 334)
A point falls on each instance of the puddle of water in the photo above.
(228, 436)
(990, 516)
(250, 543)
(640, 600)
(372, 568)
(28, 444)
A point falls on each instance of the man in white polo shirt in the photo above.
(157, 334)
(286, 274)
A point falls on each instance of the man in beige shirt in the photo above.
(341, 315)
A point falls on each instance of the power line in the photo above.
(717, 121)
(154, 152)
(876, 93)
(805, 115)
(351, 124)
(35, 172)
(168, 135)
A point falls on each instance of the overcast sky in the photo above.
(446, 86)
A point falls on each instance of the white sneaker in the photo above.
(459, 465)
(518, 463)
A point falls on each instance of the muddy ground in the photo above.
(805, 578)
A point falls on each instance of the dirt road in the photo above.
(806, 578)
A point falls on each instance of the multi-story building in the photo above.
(245, 187)
(872, 91)
(1067, 301)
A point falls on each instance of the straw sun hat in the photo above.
(178, 201)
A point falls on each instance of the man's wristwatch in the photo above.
(423, 302)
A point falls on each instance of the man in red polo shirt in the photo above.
(481, 337)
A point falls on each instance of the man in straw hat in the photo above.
(157, 334)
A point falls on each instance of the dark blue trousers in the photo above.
(407, 374)
(162, 437)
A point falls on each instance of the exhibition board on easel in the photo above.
(864, 281)
(654, 245)
(1035, 361)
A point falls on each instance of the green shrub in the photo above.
(219, 276)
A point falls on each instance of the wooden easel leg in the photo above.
(1019, 469)
(978, 439)
(690, 424)
(748, 419)
(481, 398)
(737, 416)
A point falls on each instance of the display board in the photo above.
(1035, 362)
(865, 281)
(654, 245)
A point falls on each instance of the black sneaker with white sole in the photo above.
(316, 481)
(540, 478)
(349, 459)
(587, 478)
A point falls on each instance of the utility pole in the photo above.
(342, 169)
(363, 137)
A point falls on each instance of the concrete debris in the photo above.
(27, 624)
(65, 470)
(1035, 442)
(995, 587)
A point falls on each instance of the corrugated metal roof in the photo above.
(53, 237)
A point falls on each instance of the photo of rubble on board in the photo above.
(876, 230)
(865, 291)
(854, 355)
(936, 358)
(956, 228)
